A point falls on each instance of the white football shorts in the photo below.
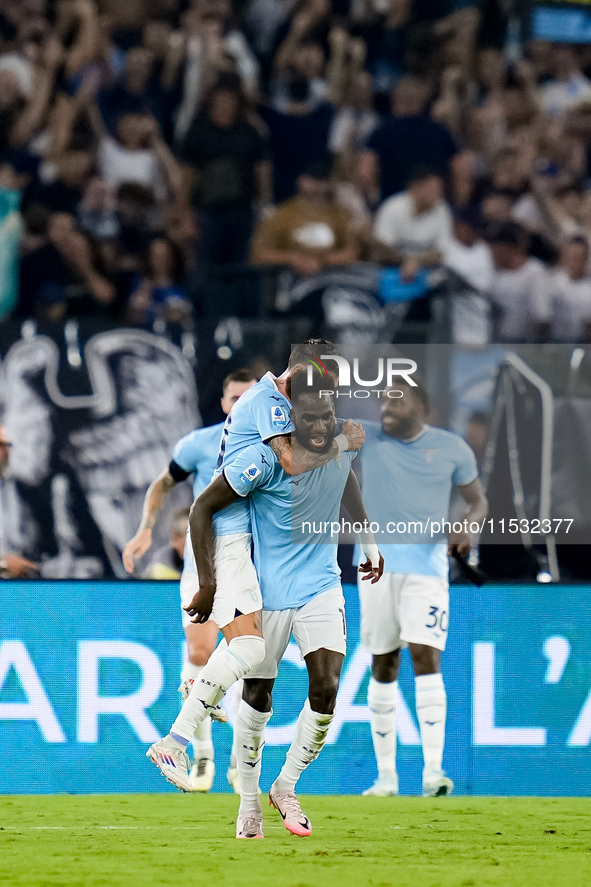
(237, 584)
(318, 625)
(404, 609)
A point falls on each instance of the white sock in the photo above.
(249, 736)
(202, 742)
(236, 708)
(226, 666)
(381, 699)
(310, 737)
(431, 704)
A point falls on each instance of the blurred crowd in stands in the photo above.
(148, 146)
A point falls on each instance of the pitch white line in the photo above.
(142, 828)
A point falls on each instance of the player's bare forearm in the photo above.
(295, 459)
(214, 498)
(473, 494)
(353, 500)
(153, 502)
(156, 496)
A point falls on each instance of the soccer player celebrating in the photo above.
(408, 471)
(301, 590)
(261, 415)
(195, 454)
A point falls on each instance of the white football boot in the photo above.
(436, 784)
(172, 761)
(385, 786)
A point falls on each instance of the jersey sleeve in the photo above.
(466, 469)
(251, 469)
(184, 453)
(271, 415)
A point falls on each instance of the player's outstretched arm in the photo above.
(353, 503)
(218, 495)
(296, 459)
(476, 512)
(154, 500)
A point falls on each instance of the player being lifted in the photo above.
(408, 471)
(195, 454)
(261, 415)
(301, 591)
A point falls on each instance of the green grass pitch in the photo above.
(186, 840)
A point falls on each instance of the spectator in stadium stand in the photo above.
(167, 562)
(497, 206)
(61, 278)
(569, 86)
(407, 138)
(61, 192)
(522, 289)
(12, 565)
(466, 253)
(412, 228)
(138, 92)
(139, 155)
(225, 171)
(310, 231)
(298, 135)
(571, 321)
(160, 292)
(353, 123)
(97, 213)
(213, 47)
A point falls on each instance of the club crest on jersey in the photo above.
(278, 416)
(429, 454)
(248, 475)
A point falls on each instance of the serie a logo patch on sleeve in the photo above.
(278, 416)
(248, 475)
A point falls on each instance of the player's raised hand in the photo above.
(355, 434)
(136, 548)
(372, 573)
(202, 604)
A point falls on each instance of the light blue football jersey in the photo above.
(261, 414)
(405, 482)
(197, 453)
(290, 573)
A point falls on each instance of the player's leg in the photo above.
(320, 631)
(380, 634)
(424, 617)
(237, 611)
(253, 714)
(249, 731)
(201, 643)
(382, 696)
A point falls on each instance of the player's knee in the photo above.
(425, 660)
(258, 694)
(198, 654)
(249, 649)
(385, 667)
(323, 695)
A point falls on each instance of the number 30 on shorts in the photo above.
(437, 619)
